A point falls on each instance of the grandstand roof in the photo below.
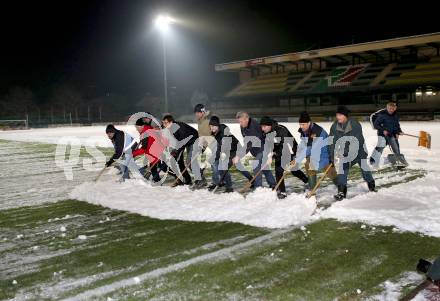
(341, 54)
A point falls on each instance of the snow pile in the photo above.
(392, 207)
(260, 208)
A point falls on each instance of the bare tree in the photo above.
(68, 99)
(19, 101)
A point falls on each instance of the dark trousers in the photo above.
(279, 172)
(154, 172)
(343, 177)
(182, 167)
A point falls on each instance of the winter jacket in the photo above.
(315, 131)
(122, 142)
(389, 122)
(150, 145)
(253, 130)
(203, 125)
(204, 130)
(281, 132)
(352, 128)
(184, 131)
(224, 132)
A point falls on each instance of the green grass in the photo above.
(333, 261)
(127, 243)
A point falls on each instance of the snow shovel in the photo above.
(292, 163)
(249, 183)
(424, 139)
(100, 174)
(313, 191)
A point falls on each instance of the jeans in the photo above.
(243, 171)
(124, 167)
(217, 175)
(392, 142)
(267, 172)
(342, 178)
(194, 166)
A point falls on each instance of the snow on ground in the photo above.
(392, 290)
(96, 134)
(260, 208)
(411, 206)
(29, 176)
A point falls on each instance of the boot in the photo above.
(402, 160)
(212, 187)
(199, 184)
(342, 193)
(281, 195)
(372, 186)
(229, 190)
(177, 183)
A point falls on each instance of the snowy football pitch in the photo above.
(132, 242)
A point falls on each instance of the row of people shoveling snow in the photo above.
(267, 142)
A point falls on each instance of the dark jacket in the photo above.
(389, 122)
(352, 128)
(316, 131)
(253, 130)
(185, 131)
(119, 143)
(281, 132)
(224, 132)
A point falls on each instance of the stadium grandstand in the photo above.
(362, 76)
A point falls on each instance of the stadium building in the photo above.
(362, 76)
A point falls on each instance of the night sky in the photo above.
(113, 46)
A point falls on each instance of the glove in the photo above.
(109, 162)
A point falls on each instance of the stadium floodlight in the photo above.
(162, 23)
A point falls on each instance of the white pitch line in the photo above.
(105, 289)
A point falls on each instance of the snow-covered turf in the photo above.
(77, 250)
(410, 206)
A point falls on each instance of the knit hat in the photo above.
(110, 129)
(266, 120)
(140, 122)
(304, 117)
(343, 110)
(214, 121)
(199, 108)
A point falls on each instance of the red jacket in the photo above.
(150, 145)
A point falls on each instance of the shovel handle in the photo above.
(313, 191)
(405, 134)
